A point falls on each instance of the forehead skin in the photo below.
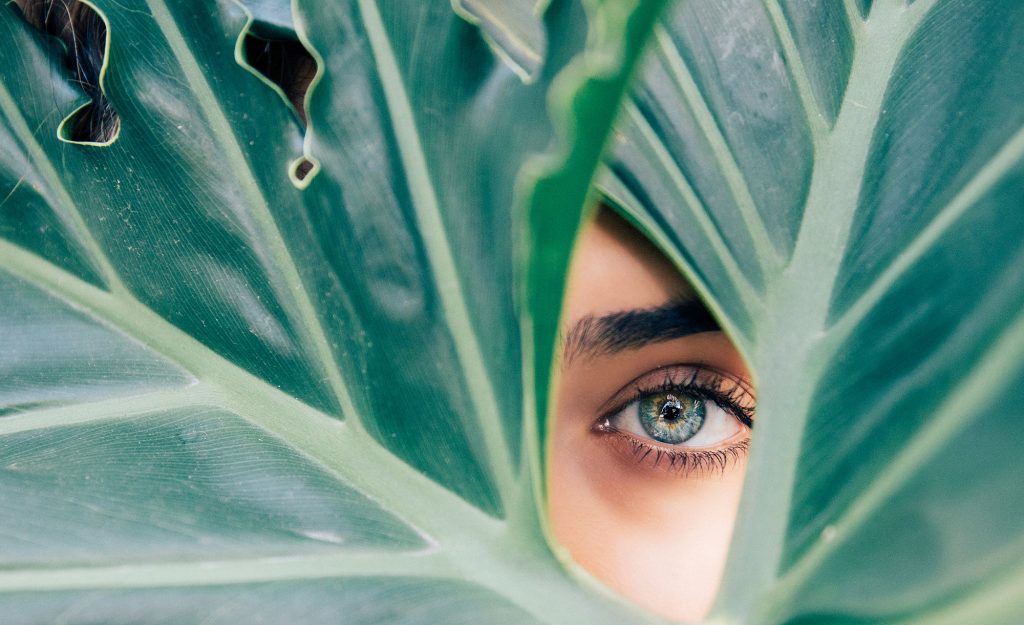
(615, 268)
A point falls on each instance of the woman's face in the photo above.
(651, 426)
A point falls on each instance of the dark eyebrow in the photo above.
(630, 329)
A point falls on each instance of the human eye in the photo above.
(681, 418)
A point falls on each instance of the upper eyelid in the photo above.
(629, 392)
(631, 388)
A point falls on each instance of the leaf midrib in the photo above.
(799, 319)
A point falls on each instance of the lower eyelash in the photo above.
(685, 463)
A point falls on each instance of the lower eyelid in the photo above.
(685, 462)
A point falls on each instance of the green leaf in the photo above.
(228, 395)
(846, 188)
(513, 29)
(231, 395)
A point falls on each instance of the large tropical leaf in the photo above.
(844, 181)
(229, 399)
(231, 395)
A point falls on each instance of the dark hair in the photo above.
(84, 35)
(281, 59)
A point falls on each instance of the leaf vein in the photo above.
(812, 110)
(71, 209)
(734, 178)
(442, 262)
(1010, 155)
(700, 212)
(347, 453)
(223, 133)
(995, 370)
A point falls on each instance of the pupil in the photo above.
(672, 409)
(669, 418)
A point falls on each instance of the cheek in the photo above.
(655, 537)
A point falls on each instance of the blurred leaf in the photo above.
(513, 28)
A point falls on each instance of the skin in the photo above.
(657, 536)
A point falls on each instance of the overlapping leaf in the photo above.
(845, 182)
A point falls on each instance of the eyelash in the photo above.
(685, 463)
(702, 383)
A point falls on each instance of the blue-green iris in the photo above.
(671, 419)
